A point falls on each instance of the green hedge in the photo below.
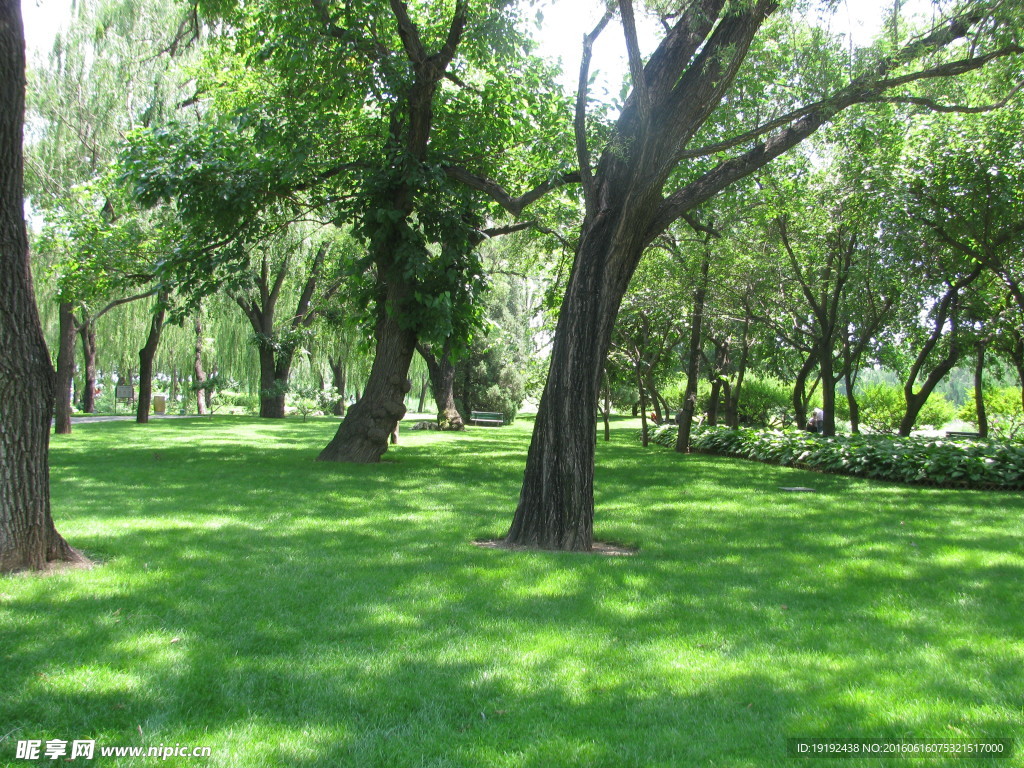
(930, 461)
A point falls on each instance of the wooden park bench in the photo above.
(485, 417)
(963, 435)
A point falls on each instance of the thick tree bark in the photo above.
(65, 370)
(362, 437)
(146, 356)
(556, 504)
(87, 333)
(208, 392)
(28, 538)
(275, 370)
(442, 382)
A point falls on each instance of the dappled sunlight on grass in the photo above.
(288, 612)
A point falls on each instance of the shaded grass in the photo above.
(287, 612)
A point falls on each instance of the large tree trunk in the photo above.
(674, 94)
(28, 538)
(275, 369)
(362, 436)
(87, 332)
(556, 504)
(442, 382)
(146, 356)
(65, 370)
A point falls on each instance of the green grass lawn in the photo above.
(290, 613)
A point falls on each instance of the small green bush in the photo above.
(764, 403)
(1004, 412)
(882, 407)
(968, 464)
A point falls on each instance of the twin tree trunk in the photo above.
(28, 538)
(442, 383)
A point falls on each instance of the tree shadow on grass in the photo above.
(296, 614)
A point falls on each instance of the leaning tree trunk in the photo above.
(65, 370)
(87, 332)
(363, 434)
(556, 504)
(442, 382)
(28, 538)
(146, 355)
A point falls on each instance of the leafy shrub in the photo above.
(499, 399)
(764, 402)
(882, 407)
(1004, 412)
(969, 464)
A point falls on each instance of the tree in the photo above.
(674, 96)
(28, 537)
(425, 101)
(105, 73)
(276, 343)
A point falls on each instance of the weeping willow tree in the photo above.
(114, 68)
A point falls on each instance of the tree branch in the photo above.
(814, 116)
(496, 192)
(580, 119)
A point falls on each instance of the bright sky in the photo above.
(561, 33)
(566, 21)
